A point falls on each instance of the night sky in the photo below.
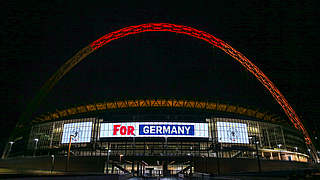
(281, 38)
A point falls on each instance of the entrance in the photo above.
(152, 171)
(151, 168)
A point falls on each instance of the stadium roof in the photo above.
(159, 103)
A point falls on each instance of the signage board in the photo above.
(232, 132)
(81, 132)
(154, 129)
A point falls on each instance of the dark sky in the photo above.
(281, 38)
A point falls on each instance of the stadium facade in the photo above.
(164, 136)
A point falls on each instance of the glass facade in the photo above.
(228, 138)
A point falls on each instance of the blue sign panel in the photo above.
(166, 129)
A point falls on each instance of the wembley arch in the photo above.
(181, 29)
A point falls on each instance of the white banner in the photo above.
(232, 132)
(81, 132)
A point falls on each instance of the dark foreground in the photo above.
(37, 174)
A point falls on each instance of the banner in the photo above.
(154, 129)
(232, 132)
(81, 132)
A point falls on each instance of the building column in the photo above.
(132, 168)
(165, 168)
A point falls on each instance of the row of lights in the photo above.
(12, 142)
(36, 141)
(296, 148)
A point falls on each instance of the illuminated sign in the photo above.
(232, 132)
(81, 132)
(165, 129)
(154, 129)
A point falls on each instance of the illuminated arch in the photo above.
(177, 29)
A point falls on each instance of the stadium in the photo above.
(160, 136)
(156, 137)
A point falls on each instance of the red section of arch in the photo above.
(217, 43)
